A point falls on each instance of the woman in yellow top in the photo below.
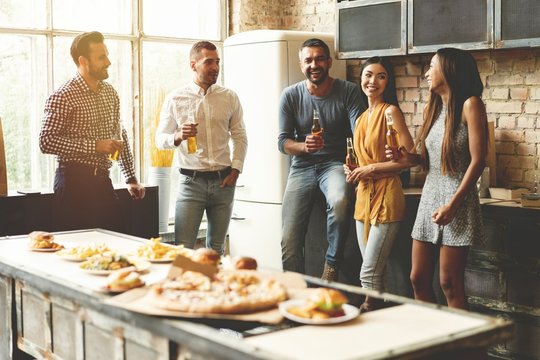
(380, 203)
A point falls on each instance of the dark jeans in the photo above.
(85, 199)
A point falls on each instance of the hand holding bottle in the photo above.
(315, 141)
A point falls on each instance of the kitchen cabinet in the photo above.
(396, 27)
(22, 214)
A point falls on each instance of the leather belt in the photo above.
(84, 169)
(218, 174)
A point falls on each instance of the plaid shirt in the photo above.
(75, 117)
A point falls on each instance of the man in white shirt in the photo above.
(211, 114)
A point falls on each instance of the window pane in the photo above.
(23, 87)
(165, 68)
(101, 15)
(24, 14)
(120, 77)
(182, 18)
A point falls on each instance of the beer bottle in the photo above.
(392, 139)
(316, 128)
(351, 160)
(192, 140)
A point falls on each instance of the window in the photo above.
(148, 43)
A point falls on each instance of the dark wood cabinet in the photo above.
(21, 214)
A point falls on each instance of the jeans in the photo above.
(300, 193)
(196, 195)
(375, 252)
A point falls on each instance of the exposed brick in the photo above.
(400, 70)
(407, 107)
(400, 95)
(535, 94)
(524, 65)
(506, 122)
(532, 79)
(505, 80)
(532, 107)
(526, 122)
(526, 149)
(418, 119)
(519, 162)
(506, 107)
(532, 136)
(414, 69)
(412, 94)
(485, 66)
(511, 175)
(499, 93)
(503, 65)
(519, 93)
(509, 135)
(406, 81)
(505, 147)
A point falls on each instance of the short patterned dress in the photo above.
(467, 227)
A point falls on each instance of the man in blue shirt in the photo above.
(317, 159)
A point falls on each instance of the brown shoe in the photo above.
(370, 304)
(330, 273)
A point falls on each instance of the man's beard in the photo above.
(100, 75)
(322, 77)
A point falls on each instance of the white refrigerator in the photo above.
(258, 65)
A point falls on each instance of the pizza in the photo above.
(230, 292)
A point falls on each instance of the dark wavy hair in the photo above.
(314, 42)
(81, 44)
(460, 72)
(389, 94)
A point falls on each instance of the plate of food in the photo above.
(123, 280)
(157, 252)
(325, 306)
(106, 265)
(43, 241)
(84, 252)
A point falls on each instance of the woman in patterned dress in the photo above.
(452, 146)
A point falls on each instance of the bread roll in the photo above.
(245, 263)
(206, 256)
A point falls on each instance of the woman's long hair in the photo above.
(389, 94)
(460, 72)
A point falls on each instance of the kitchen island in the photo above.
(51, 309)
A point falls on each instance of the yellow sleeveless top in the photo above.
(381, 200)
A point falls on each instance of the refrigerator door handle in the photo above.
(236, 217)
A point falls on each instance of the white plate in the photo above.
(351, 312)
(141, 266)
(45, 249)
(70, 257)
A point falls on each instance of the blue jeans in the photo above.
(300, 193)
(196, 195)
(375, 252)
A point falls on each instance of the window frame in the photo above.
(136, 38)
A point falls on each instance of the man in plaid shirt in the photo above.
(82, 128)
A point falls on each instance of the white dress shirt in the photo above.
(220, 118)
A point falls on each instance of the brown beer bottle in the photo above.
(351, 160)
(316, 128)
(392, 139)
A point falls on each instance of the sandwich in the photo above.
(43, 240)
(124, 279)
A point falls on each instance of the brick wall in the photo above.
(511, 79)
